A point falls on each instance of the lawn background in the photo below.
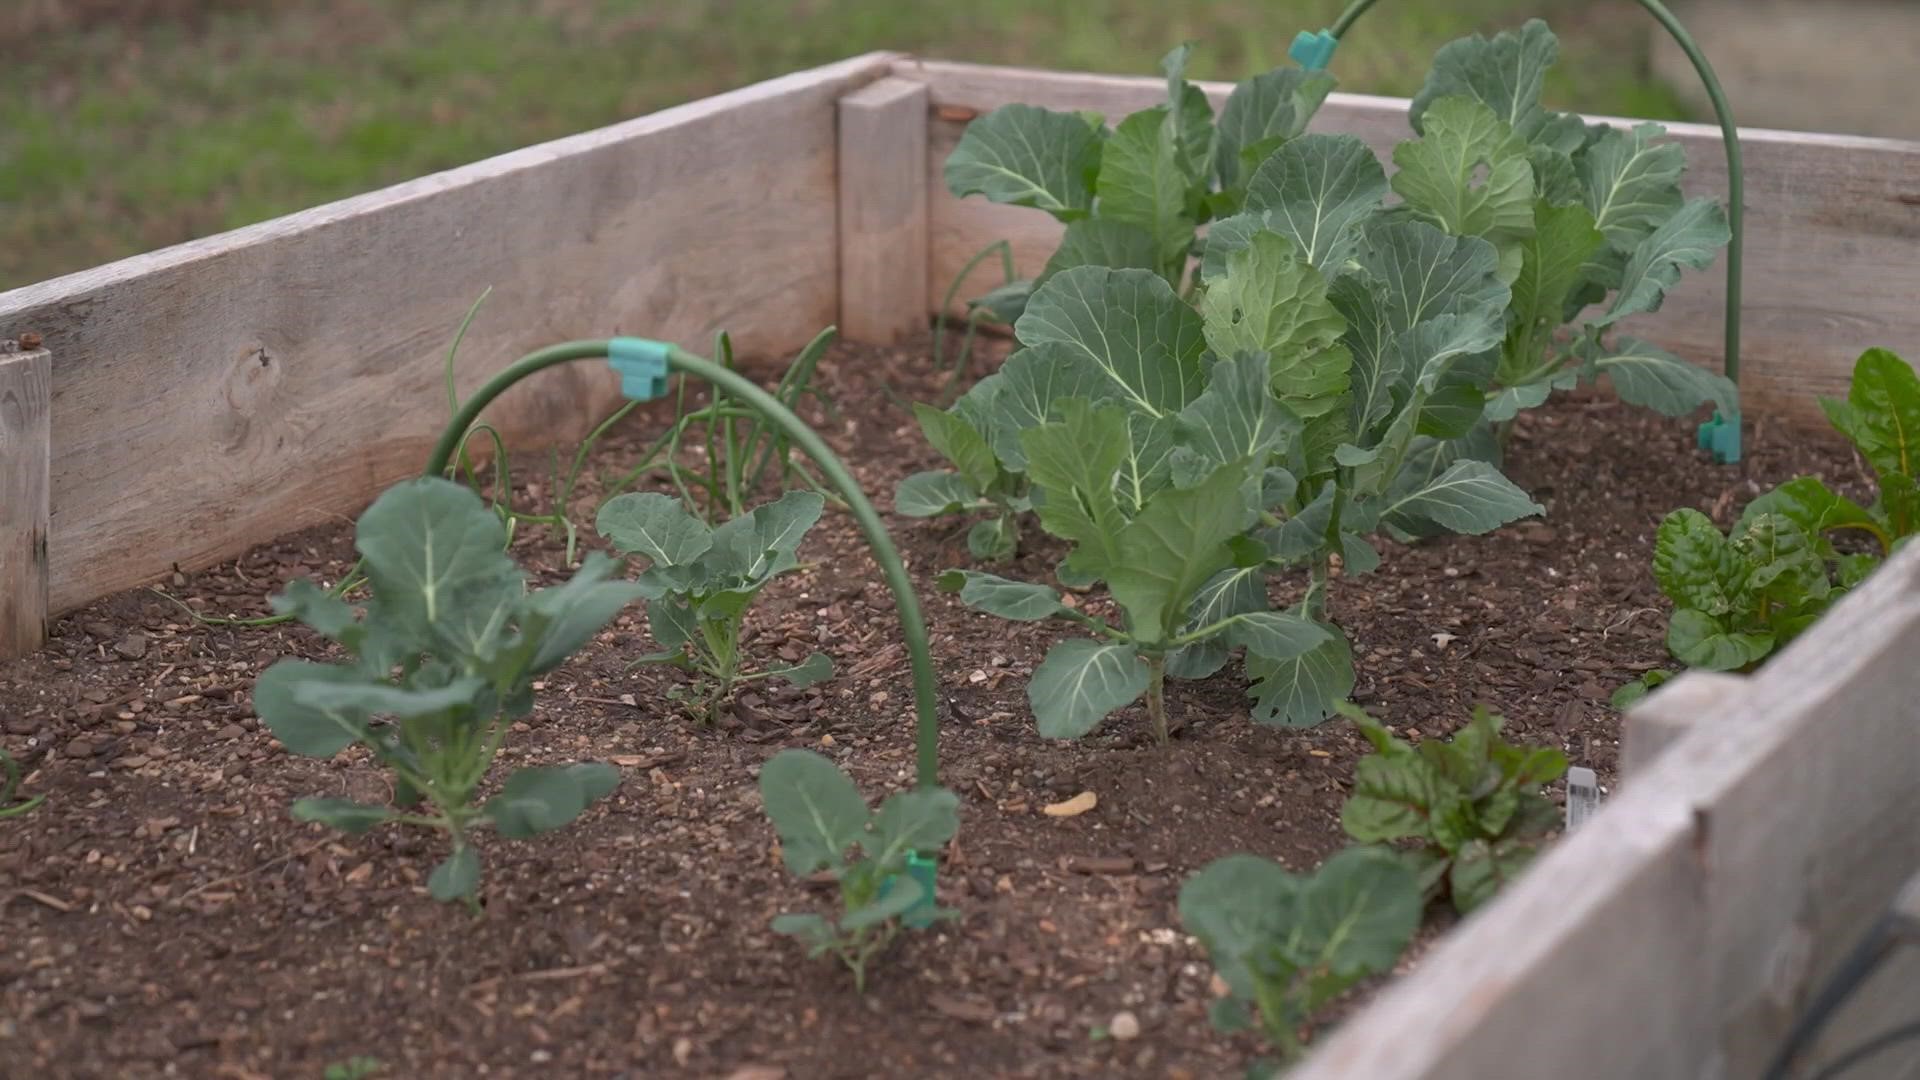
(128, 125)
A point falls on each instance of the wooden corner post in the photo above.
(883, 211)
(26, 394)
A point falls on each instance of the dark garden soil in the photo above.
(163, 915)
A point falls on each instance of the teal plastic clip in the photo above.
(923, 869)
(1313, 50)
(642, 365)
(1720, 436)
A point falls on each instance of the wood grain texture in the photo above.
(1832, 223)
(1660, 720)
(26, 394)
(226, 391)
(883, 211)
(1680, 932)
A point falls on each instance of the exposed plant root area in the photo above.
(165, 917)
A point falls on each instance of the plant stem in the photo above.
(1157, 695)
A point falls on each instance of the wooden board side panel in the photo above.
(26, 395)
(1830, 231)
(215, 395)
(883, 211)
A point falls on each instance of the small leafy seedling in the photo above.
(978, 482)
(354, 1068)
(821, 818)
(701, 581)
(1473, 802)
(1287, 944)
(1740, 596)
(447, 652)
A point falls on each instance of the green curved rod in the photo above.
(1729, 134)
(925, 687)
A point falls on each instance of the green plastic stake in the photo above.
(1720, 437)
(923, 869)
(642, 365)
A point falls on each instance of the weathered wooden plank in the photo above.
(1680, 932)
(226, 391)
(883, 211)
(26, 394)
(1659, 721)
(1831, 227)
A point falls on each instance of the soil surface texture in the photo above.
(164, 916)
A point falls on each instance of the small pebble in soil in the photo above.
(132, 647)
(1125, 1026)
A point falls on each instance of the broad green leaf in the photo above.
(959, 442)
(344, 814)
(457, 876)
(1074, 462)
(1148, 465)
(1176, 543)
(1550, 264)
(1555, 179)
(1421, 272)
(656, 527)
(1695, 566)
(1648, 376)
(1704, 641)
(1358, 913)
(994, 539)
(1030, 382)
(671, 622)
(922, 820)
(1028, 156)
(1882, 413)
(1303, 690)
(813, 931)
(936, 492)
(816, 810)
(1274, 105)
(561, 620)
(1271, 301)
(1240, 907)
(1237, 590)
(1237, 417)
(350, 698)
(1505, 74)
(1318, 190)
(1470, 175)
(1228, 235)
(895, 902)
(1004, 303)
(1687, 240)
(1080, 682)
(1143, 183)
(308, 730)
(544, 798)
(1481, 869)
(1189, 116)
(1130, 326)
(1276, 635)
(1099, 241)
(327, 615)
(1394, 796)
(779, 526)
(1016, 600)
(1811, 505)
(1509, 401)
(1631, 182)
(1426, 354)
(1305, 532)
(1471, 497)
(816, 668)
(431, 546)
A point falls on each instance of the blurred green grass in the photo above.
(120, 134)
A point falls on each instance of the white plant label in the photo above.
(1583, 796)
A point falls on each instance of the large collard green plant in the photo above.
(1133, 197)
(701, 581)
(1740, 596)
(1474, 803)
(447, 653)
(1286, 944)
(1187, 453)
(1590, 224)
(821, 820)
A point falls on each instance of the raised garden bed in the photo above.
(223, 395)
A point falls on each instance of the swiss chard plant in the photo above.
(1741, 595)
(1589, 221)
(1473, 803)
(701, 581)
(824, 825)
(441, 664)
(1287, 944)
